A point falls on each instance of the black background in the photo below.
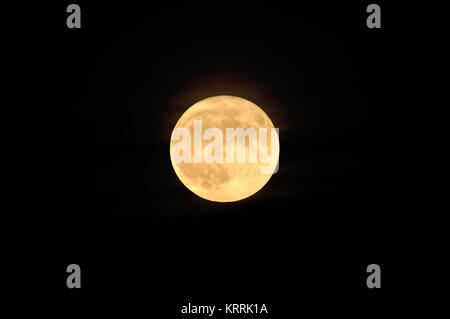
(97, 188)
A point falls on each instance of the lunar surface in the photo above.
(225, 182)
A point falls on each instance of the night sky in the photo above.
(100, 190)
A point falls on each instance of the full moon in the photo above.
(225, 181)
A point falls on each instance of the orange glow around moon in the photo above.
(225, 181)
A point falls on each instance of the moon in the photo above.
(225, 182)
